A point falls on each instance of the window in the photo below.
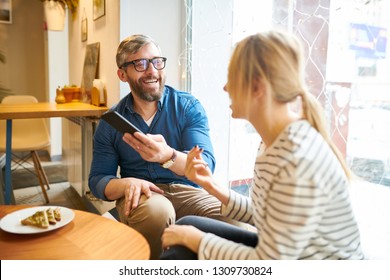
(347, 66)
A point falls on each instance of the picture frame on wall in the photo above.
(6, 11)
(90, 71)
(99, 8)
(84, 30)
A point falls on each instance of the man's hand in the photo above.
(134, 190)
(151, 147)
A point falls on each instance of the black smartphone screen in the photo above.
(118, 122)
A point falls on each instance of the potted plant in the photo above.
(54, 11)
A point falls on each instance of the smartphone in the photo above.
(118, 122)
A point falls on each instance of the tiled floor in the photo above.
(60, 194)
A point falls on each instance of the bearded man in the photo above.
(144, 172)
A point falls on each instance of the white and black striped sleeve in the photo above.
(238, 208)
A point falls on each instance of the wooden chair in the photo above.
(28, 135)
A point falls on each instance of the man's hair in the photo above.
(131, 45)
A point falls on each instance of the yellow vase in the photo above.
(60, 98)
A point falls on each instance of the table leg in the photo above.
(88, 126)
(8, 157)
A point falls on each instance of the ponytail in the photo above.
(312, 112)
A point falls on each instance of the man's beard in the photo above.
(146, 94)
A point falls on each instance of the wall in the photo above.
(23, 44)
(104, 30)
(57, 74)
(164, 23)
(36, 60)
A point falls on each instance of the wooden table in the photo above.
(88, 237)
(39, 110)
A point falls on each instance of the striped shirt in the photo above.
(299, 204)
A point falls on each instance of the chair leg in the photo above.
(42, 171)
(41, 174)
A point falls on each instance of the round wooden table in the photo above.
(87, 237)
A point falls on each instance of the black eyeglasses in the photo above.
(141, 65)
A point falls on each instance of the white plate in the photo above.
(11, 222)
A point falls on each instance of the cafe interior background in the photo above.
(347, 64)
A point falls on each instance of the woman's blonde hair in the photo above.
(276, 58)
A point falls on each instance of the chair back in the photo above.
(27, 134)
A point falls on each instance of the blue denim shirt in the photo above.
(180, 118)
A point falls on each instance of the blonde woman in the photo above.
(299, 202)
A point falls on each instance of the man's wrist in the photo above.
(170, 161)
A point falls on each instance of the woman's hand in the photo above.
(197, 169)
(184, 235)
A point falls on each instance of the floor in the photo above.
(60, 194)
(28, 191)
